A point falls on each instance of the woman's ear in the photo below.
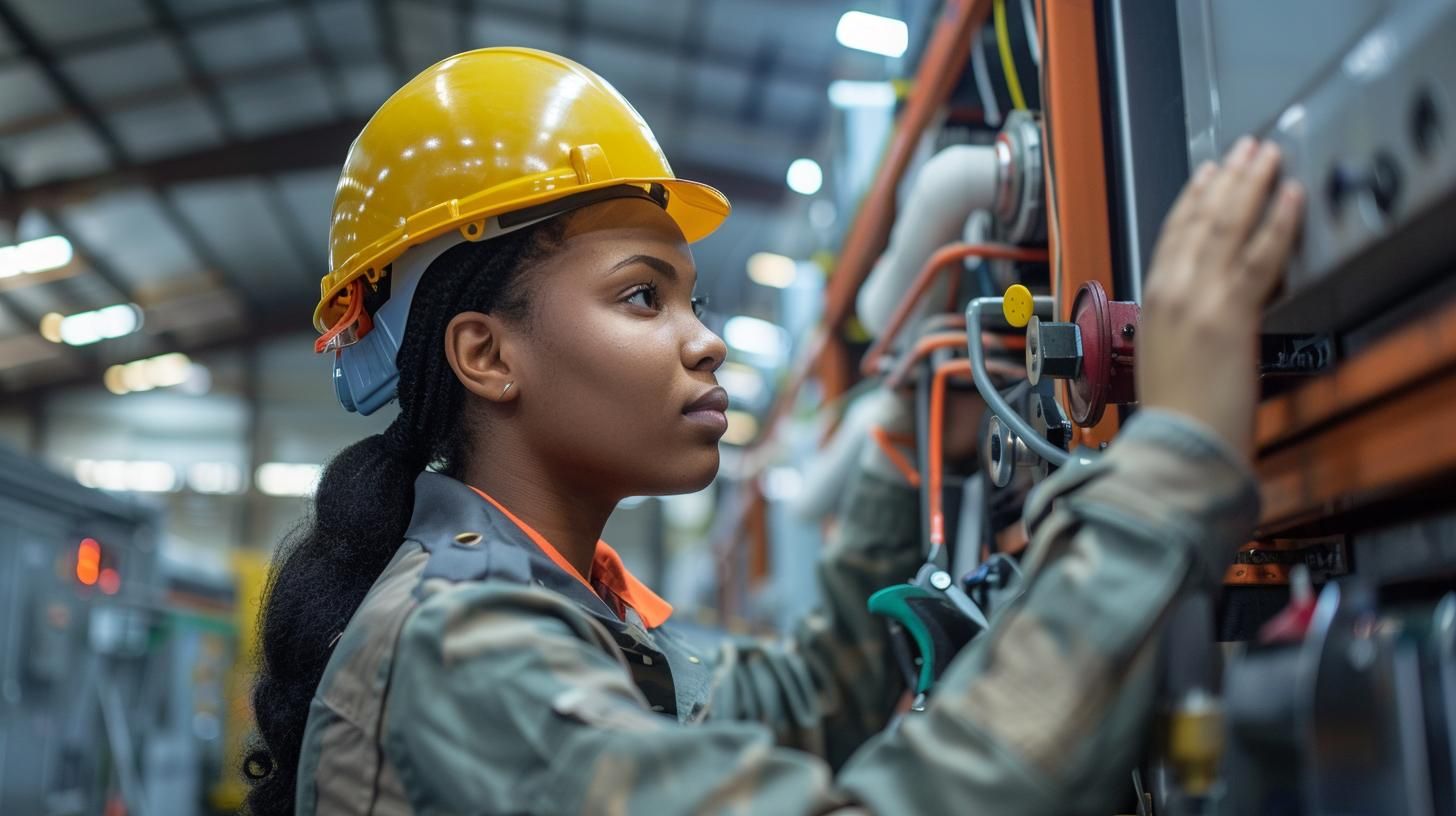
(475, 346)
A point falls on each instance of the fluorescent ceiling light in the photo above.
(873, 33)
(163, 371)
(847, 93)
(744, 383)
(85, 328)
(757, 337)
(285, 479)
(771, 269)
(215, 477)
(805, 177)
(119, 474)
(39, 255)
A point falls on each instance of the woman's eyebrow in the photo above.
(666, 269)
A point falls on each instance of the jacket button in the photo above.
(467, 539)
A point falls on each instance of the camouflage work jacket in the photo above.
(478, 677)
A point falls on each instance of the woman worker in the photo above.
(449, 635)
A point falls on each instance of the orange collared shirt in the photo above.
(607, 569)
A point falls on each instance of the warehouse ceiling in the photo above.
(188, 149)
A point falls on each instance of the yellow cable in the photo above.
(1008, 65)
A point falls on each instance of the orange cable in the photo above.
(938, 262)
(936, 443)
(932, 343)
(902, 439)
(887, 447)
(924, 347)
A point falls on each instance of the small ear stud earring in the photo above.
(507, 388)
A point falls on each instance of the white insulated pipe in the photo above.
(950, 186)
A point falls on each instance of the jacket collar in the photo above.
(445, 508)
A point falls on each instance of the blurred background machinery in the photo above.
(115, 663)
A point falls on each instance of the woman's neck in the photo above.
(567, 517)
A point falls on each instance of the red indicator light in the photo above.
(110, 581)
(88, 562)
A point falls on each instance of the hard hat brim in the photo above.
(698, 210)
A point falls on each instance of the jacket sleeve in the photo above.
(1046, 713)
(833, 684)
(507, 699)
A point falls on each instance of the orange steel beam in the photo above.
(944, 62)
(1377, 424)
(1076, 176)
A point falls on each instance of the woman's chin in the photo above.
(695, 471)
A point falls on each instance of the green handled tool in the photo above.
(931, 619)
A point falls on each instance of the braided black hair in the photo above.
(362, 506)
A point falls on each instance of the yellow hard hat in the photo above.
(480, 135)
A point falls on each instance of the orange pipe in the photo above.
(932, 343)
(902, 439)
(886, 443)
(936, 443)
(924, 347)
(938, 262)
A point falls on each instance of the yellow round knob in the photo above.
(1017, 305)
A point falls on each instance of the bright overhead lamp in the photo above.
(287, 479)
(215, 477)
(772, 269)
(38, 255)
(758, 338)
(162, 371)
(85, 328)
(124, 475)
(744, 384)
(805, 177)
(871, 32)
(849, 93)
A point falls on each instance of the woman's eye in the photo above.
(646, 297)
(700, 305)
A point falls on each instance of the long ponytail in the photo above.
(364, 499)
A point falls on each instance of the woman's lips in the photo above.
(710, 410)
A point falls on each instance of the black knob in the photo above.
(1341, 183)
(1384, 181)
(1425, 124)
(1381, 178)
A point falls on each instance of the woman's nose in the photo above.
(705, 351)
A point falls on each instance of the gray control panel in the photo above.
(1361, 95)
